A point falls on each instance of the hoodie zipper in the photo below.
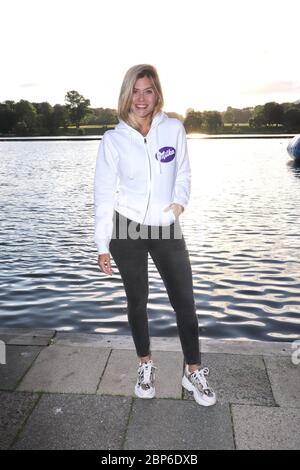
(145, 142)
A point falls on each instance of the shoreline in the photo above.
(46, 337)
(189, 137)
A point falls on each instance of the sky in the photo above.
(209, 54)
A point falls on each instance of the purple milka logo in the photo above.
(165, 154)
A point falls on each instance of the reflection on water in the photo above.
(241, 228)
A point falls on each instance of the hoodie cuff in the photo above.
(177, 201)
(103, 246)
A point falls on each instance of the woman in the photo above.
(147, 155)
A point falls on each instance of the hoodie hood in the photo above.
(159, 117)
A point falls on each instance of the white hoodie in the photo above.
(140, 176)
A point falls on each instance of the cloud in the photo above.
(279, 86)
(29, 85)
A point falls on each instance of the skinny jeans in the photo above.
(129, 247)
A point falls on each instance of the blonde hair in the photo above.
(126, 92)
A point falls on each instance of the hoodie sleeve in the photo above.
(105, 183)
(183, 175)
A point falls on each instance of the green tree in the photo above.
(7, 116)
(102, 116)
(229, 115)
(258, 117)
(44, 116)
(60, 116)
(292, 119)
(212, 120)
(77, 106)
(26, 116)
(236, 115)
(273, 113)
(193, 121)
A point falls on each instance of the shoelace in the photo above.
(145, 372)
(199, 377)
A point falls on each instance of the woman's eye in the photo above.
(148, 92)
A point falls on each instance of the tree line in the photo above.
(286, 115)
(25, 118)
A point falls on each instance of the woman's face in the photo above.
(143, 98)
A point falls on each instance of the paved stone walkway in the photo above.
(75, 391)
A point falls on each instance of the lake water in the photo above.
(242, 229)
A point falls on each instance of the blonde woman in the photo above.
(141, 187)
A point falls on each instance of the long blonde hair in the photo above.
(126, 92)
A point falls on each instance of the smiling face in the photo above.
(143, 99)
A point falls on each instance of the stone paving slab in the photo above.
(248, 348)
(6, 338)
(23, 331)
(266, 428)
(285, 381)
(168, 374)
(176, 425)
(14, 409)
(220, 346)
(18, 361)
(26, 337)
(95, 340)
(61, 369)
(76, 422)
(250, 380)
(120, 374)
(114, 341)
(238, 379)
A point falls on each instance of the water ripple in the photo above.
(241, 227)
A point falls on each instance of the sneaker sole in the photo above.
(146, 397)
(190, 387)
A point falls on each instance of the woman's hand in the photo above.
(104, 263)
(176, 208)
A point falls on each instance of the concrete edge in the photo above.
(23, 336)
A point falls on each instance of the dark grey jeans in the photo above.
(171, 259)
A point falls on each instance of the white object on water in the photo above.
(293, 147)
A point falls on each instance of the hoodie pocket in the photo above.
(167, 218)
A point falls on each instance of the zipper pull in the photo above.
(145, 140)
